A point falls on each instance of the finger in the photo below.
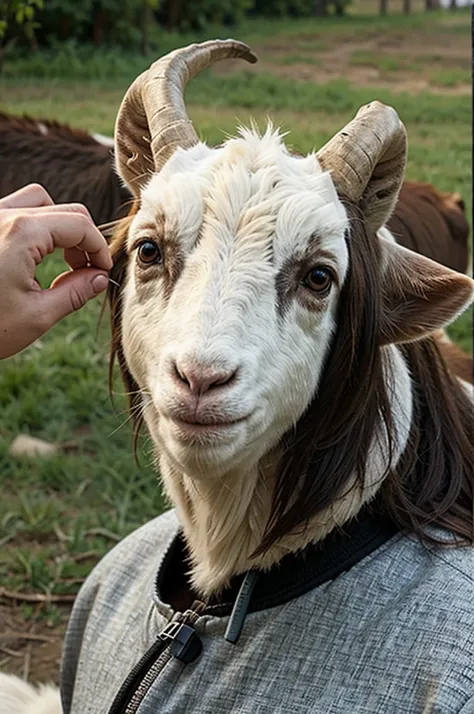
(76, 258)
(30, 196)
(70, 292)
(52, 208)
(69, 230)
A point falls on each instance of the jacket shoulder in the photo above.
(147, 541)
(130, 564)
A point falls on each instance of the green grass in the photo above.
(384, 63)
(244, 90)
(311, 44)
(451, 77)
(298, 58)
(390, 63)
(83, 500)
(59, 515)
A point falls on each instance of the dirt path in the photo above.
(410, 61)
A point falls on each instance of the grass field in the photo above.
(59, 515)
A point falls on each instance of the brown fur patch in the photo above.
(25, 123)
(69, 163)
(458, 362)
(174, 257)
(118, 248)
(432, 223)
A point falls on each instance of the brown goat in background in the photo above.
(432, 223)
(71, 165)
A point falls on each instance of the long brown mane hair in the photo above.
(114, 296)
(433, 482)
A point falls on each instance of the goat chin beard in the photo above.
(224, 515)
(224, 519)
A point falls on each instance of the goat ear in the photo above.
(419, 295)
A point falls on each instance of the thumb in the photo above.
(71, 291)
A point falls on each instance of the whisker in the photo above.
(129, 394)
(131, 416)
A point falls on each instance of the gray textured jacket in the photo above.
(371, 622)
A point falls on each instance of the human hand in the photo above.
(31, 227)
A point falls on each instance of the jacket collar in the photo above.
(296, 573)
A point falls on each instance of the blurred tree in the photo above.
(383, 7)
(175, 13)
(406, 7)
(298, 8)
(147, 20)
(121, 22)
(187, 15)
(17, 21)
(319, 8)
(128, 23)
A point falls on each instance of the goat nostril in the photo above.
(180, 375)
(200, 379)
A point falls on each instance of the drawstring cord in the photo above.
(241, 606)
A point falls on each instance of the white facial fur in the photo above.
(228, 221)
(237, 214)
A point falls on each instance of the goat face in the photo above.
(235, 262)
(236, 259)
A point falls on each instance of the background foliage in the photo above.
(141, 23)
(130, 22)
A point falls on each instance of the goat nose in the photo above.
(202, 378)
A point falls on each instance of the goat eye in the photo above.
(149, 253)
(319, 280)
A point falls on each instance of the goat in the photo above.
(71, 164)
(276, 341)
(458, 362)
(424, 219)
(432, 223)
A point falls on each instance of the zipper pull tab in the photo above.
(186, 645)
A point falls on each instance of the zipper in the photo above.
(179, 640)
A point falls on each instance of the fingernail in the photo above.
(99, 283)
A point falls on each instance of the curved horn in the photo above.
(152, 120)
(367, 160)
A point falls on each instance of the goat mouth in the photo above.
(202, 431)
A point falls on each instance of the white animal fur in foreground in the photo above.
(19, 697)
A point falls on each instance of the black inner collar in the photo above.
(295, 575)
